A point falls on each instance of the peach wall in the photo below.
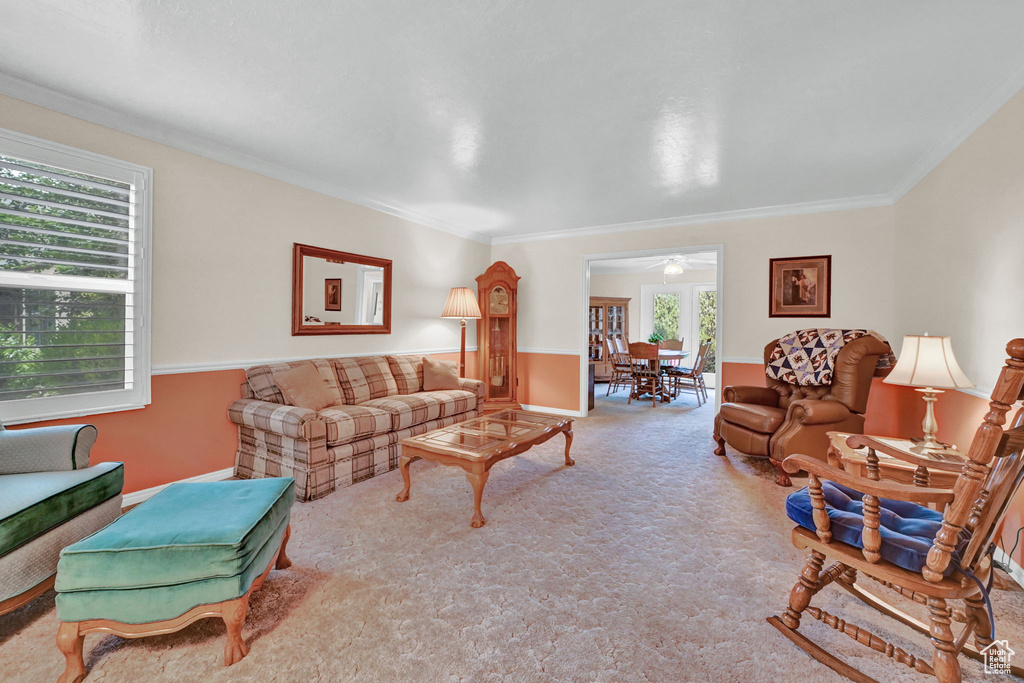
(185, 432)
(549, 380)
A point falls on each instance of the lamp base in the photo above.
(930, 425)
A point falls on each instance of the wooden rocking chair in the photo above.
(861, 523)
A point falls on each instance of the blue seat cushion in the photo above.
(907, 529)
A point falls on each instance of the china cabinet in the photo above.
(609, 319)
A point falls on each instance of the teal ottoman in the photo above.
(191, 551)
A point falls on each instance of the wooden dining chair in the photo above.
(621, 369)
(671, 344)
(645, 372)
(692, 377)
(882, 530)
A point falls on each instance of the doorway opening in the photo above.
(671, 294)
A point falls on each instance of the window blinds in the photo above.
(67, 281)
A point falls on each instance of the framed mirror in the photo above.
(335, 292)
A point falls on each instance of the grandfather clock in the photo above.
(496, 336)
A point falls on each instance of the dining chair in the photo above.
(621, 369)
(645, 372)
(671, 345)
(692, 377)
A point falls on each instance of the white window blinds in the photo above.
(73, 281)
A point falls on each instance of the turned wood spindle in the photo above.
(873, 472)
(803, 590)
(870, 640)
(821, 521)
(922, 477)
(871, 536)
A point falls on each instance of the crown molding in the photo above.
(42, 96)
(823, 206)
(188, 142)
(978, 116)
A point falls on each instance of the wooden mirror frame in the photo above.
(298, 328)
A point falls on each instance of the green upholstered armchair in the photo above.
(49, 498)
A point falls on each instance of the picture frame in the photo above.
(332, 294)
(800, 287)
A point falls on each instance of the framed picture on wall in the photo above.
(332, 294)
(800, 287)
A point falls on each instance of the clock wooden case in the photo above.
(496, 336)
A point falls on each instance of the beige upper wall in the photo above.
(628, 285)
(222, 244)
(961, 237)
(863, 275)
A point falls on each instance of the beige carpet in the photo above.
(650, 560)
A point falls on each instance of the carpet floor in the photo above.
(650, 560)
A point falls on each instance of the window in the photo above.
(74, 281)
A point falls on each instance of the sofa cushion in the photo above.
(409, 410)
(453, 401)
(264, 386)
(31, 504)
(350, 423)
(364, 378)
(187, 532)
(302, 387)
(408, 373)
(757, 418)
(440, 374)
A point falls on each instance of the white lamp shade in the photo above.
(928, 362)
(461, 304)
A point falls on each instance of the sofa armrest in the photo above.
(46, 449)
(761, 396)
(813, 412)
(474, 385)
(290, 421)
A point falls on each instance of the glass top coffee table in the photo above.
(475, 445)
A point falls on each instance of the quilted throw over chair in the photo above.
(785, 417)
(883, 531)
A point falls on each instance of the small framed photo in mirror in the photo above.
(332, 294)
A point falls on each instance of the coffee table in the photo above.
(475, 445)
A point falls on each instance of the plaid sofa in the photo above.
(344, 444)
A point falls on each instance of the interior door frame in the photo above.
(717, 249)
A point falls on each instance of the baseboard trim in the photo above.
(1016, 572)
(553, 411)
(136, 497)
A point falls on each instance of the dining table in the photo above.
(670, 356)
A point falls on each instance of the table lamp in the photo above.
(461, 304)
(928, 363)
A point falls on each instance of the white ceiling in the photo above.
(512, 117)
(643, 264)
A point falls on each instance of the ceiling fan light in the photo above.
(673, 269)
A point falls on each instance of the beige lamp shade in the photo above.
(461, 304)
(928, 362)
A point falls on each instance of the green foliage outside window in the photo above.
(666, 316)
(708, 302)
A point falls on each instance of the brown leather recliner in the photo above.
(782, 419)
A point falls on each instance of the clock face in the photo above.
(498, 301)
